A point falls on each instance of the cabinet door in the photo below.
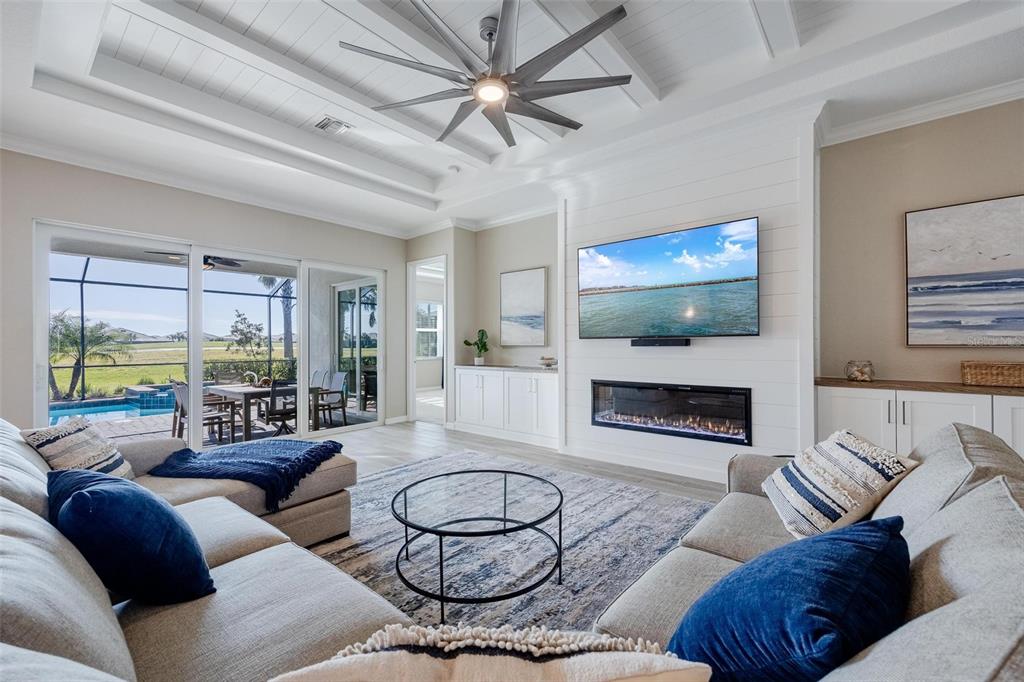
(868, 412)
(469, 396)
(492, 399)
(1008, 420)
(546, 389)
(922, 413)
(520, 402)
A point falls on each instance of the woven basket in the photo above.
(979, 373)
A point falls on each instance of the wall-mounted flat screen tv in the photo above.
(688, 283)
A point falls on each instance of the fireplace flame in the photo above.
(690, 423)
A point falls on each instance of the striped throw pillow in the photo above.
(833, 484)
(75, 444)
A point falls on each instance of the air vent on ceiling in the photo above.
(333, 126)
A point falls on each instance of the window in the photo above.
(429, 336)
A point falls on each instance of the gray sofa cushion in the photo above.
(25, 665)
(22, 483)
(740, 527)
(335, 474)
(227, 532)
(11, 441)
(652, 606)
(276, 610)
(976, 542)
(977, 637)
(51, 599)
(954, 459)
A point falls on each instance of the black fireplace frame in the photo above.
(721, 390)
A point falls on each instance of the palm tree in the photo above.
(67, 334)
(270, 283)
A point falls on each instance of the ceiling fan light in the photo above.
(490, 90)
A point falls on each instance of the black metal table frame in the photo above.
(441, 533)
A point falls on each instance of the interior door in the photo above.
(868, 412)
(921, 413)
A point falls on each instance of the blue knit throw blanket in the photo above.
(275, 466)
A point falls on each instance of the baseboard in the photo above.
(396, 420)
(528, 438)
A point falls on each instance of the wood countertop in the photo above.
(514, 368)
(933, 386)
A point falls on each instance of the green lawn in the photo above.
(111, 378)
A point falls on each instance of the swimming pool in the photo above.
(106, 410)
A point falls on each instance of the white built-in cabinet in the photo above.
(508, 403)
(1008, 420)
(900, 419)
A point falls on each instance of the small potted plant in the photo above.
(480, 346)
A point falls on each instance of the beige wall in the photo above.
(34, 188)
(866, 187)
(517, 246)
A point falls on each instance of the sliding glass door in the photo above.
(358, 342)
(149, 339)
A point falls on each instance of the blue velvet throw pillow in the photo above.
(799, 611)
(140, 547)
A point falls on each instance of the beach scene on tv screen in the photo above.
(696, 282)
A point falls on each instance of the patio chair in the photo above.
(216, 413)
(335, 397)
(319, 378)
(369, 389)
(280, 406)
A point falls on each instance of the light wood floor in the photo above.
(384, 447)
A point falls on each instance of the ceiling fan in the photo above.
(209, 262)
(498, 85)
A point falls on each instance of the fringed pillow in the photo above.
(833, 484)
(76, 444)
(449, 653)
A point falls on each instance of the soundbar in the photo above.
(661, 341)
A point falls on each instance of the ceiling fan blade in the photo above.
(495, 113)
(165, 253)
(228, 262)
(542, 89)
(503, 58)
(461, 114)
(450, 74)
(514, 105)
(533, 70)
(466, 55)
(436, 97)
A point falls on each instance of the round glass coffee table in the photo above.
(473, 504)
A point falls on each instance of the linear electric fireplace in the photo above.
(718, 413)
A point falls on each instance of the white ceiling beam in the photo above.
(117, 104)
(182, 20)
(606, 51)
(395, 29)
(776, 23)
(234, 117)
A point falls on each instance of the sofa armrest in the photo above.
(748, 471)
(143, 455)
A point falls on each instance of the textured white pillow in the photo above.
(833, 484)
(449, 653)
(75, 444)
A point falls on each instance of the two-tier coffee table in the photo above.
(473, 504)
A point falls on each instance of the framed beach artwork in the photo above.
(523, 308)
(965, 274)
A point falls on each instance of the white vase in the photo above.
(478, 361)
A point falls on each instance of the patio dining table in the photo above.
(245, 394)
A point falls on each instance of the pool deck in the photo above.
(159, 426)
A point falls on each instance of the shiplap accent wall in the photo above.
(756, 173)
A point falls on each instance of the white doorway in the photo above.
(427, 340)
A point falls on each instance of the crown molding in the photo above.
(484, 224)
(951, 106)
(134, 171)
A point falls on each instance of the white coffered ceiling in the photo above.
(223, 96)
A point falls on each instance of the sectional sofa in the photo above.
(279, 608)
(964, 525)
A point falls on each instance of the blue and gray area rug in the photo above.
(612, 532)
